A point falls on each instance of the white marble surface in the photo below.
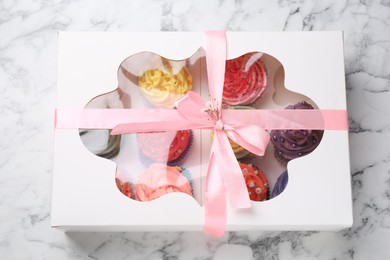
(28, 56)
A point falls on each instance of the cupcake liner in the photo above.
(243, 154)
(101, 143)
(280, 185)
(113, 147)
(186, 173)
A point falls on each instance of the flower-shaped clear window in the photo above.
(152, 164)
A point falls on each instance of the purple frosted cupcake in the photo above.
(291, 144)
(280, 184)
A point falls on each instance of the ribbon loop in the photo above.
(252, 138)
(191, 106)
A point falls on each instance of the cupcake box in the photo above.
(101, 70)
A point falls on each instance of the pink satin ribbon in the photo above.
(245, 127)
(148, 120)
(224, 176)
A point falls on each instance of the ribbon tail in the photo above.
(215, 207)
(231, 173)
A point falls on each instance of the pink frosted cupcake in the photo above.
(245, 79)
(160, 179)
(165, 147)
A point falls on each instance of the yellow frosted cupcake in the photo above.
(164, 86)
(239, 151)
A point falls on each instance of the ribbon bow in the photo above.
(224, 175)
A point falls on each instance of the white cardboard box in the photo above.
(318, 195)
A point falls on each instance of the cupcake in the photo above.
(165, 147)
(280, 184)
(245, 79)
(164, 86)
(101, 143)
(291, 144)
(160, 179)
(255, 181)
(239, 151)
(124, 187)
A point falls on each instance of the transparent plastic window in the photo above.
(150, 165)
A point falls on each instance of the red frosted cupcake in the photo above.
(255, 181)
(124, 187)
(165, 147)
(160, 179)
(245, 79)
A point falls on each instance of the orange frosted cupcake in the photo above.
(255, 181)
(124, 187)
(160, 179)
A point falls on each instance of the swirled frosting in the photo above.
(239, 151)
(160, 179)
(164, 146)
(164, 86)
(256, 182)
(280, 184)
(291, 144)
(245, 79)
